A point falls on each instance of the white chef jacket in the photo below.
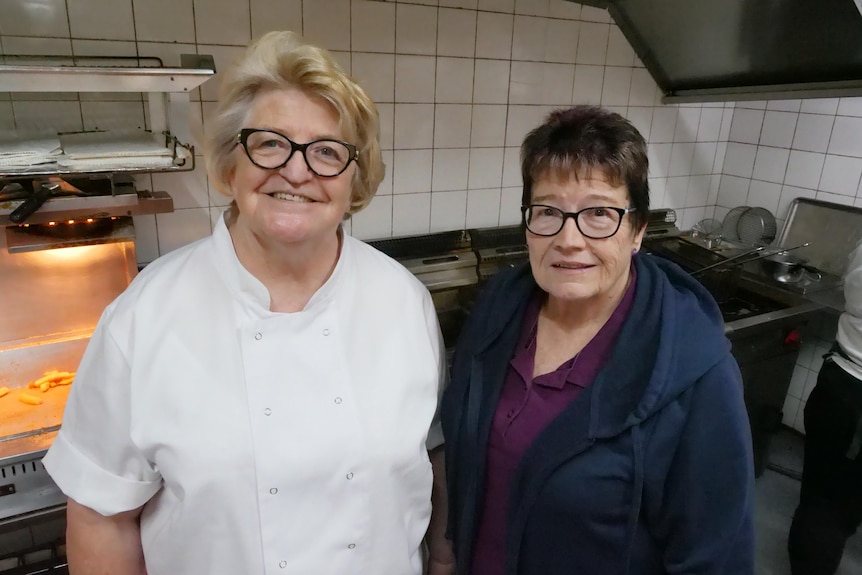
(849, 335)
(260, 442)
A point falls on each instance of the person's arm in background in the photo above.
(441, 560)
(99, 545)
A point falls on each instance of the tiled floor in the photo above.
(777, 497)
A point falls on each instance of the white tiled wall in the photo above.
(458, 84)
(784, 149)
(781, 150)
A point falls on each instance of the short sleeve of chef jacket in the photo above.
(98, 465)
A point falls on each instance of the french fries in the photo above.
(29, 399)
(53, 378)
(49, 380)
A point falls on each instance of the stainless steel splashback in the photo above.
(441, 260)
(833, 230)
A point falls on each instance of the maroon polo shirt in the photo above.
(526, 407)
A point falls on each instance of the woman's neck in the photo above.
(293, 273)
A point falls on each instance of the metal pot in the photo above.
(788, 268)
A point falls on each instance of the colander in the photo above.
(756, 226)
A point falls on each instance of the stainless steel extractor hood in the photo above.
(708, 50)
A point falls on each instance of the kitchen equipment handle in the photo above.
(776, 252)
(816, 276)
(736, 259)
(728, 260)
(441, 260)
(33, 203)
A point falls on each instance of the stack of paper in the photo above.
(21, 153)
(102, 150)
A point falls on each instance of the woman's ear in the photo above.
(639, 236)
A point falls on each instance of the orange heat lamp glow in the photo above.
(74, 253)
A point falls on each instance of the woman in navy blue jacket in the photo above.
(594, 421)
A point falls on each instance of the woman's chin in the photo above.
(292, 231)
(572, 294)
(573, 288)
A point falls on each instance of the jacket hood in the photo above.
(673, 335)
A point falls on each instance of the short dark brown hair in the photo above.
(575, 141)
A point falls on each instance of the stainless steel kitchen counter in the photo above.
(831, 301)
(789, 315)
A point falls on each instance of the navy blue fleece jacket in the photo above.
(648, 472)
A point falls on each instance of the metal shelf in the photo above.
(196, 70)
(183, 161)
(167, 92)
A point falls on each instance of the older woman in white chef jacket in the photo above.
(260, 401)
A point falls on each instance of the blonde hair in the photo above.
(281, 60)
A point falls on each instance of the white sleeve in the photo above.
(435, 433)
(93, 459)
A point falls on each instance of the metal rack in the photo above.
(183, 160)
(167, 92)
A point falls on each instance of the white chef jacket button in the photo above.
(282, 564)
(325, 332)
(273, 491)
(352, 546)
(258, 336)
(337, 400)
(267, 411)
(350, 475)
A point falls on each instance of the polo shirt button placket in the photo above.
(282, 564)
(258, 336)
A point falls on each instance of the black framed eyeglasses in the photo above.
(596, 223)
(270, 150)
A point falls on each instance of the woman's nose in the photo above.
(570, 235)
(296, 169)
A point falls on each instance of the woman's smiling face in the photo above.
(570, 266)
(291, 204)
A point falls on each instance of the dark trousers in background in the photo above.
(830, 506)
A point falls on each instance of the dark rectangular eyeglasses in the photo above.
(597, 223)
